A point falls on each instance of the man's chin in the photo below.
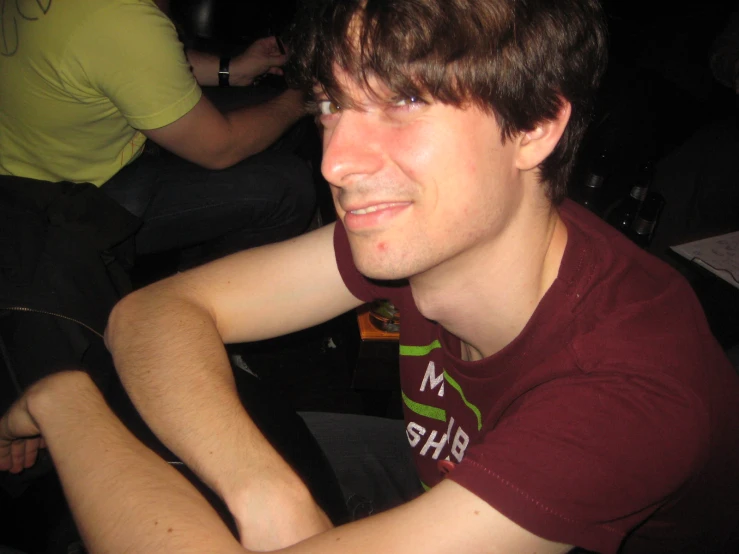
(382, 259)
(380, 271)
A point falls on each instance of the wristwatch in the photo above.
(223, 72)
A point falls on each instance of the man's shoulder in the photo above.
(600, 264)
(82, 11)
(75, 28)
(625, 301)
(123, 12)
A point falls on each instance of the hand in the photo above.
(20, 432)
(262, 56)
(270, 516)
(20, 438)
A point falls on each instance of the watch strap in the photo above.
(224, 71)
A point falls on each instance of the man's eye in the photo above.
(407, 101)
(327, 107)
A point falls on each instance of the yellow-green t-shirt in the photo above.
(79, 78)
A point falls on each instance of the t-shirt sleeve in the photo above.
(131, 54)
(583, 460)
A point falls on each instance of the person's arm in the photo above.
(214, 140)
(122, 495)
(148, 79)
(126, 499)
(262, 56)
(167, 345)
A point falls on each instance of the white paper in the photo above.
(719, 255)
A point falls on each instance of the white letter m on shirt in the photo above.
(430, 378)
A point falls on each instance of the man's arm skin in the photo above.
(126, 499)
(167, 344)
(92, 450)
(214, 140)
(262, 56)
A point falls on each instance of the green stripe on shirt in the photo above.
(467, 403)
(419, 350)
(424, 410)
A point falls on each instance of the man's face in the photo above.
(416, 184)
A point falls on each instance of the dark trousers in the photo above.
(206, 214)
(370, 457)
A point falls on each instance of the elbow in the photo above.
(121, 317)
(138, 317)
(129, 313)
(222, 152)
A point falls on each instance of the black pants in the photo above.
(370, 457)
(207, 214)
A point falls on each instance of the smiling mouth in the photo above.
(372, 209)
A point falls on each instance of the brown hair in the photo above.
(514, 58)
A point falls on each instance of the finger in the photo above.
(268, 42)
(5, 458)
(31, 450)
(6, 443)
(281, 45)
(279, 60)
(17, 455)
(266, 46)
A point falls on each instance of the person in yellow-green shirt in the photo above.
(85, 83)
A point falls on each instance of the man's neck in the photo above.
(485, 296)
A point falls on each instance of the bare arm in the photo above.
(214, 140)
(126, 499)
(167, 344)
(161, 97)
(263, 56)
(92, 451)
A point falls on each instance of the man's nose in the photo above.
(352, 149)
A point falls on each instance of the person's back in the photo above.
(85, 83)
(70, 97)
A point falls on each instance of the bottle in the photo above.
(642, 230)
(591, 195)
(622, 216)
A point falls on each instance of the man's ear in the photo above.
(534, 146)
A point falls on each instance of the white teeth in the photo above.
(371, 209)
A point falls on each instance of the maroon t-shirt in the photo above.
(611, 421)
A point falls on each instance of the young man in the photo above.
(561, 387)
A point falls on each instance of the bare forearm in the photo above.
(265, 55)
(254, 128)
(171, 360)
(204, 67)
(213, 140)
(123, 496)
(126, 499)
